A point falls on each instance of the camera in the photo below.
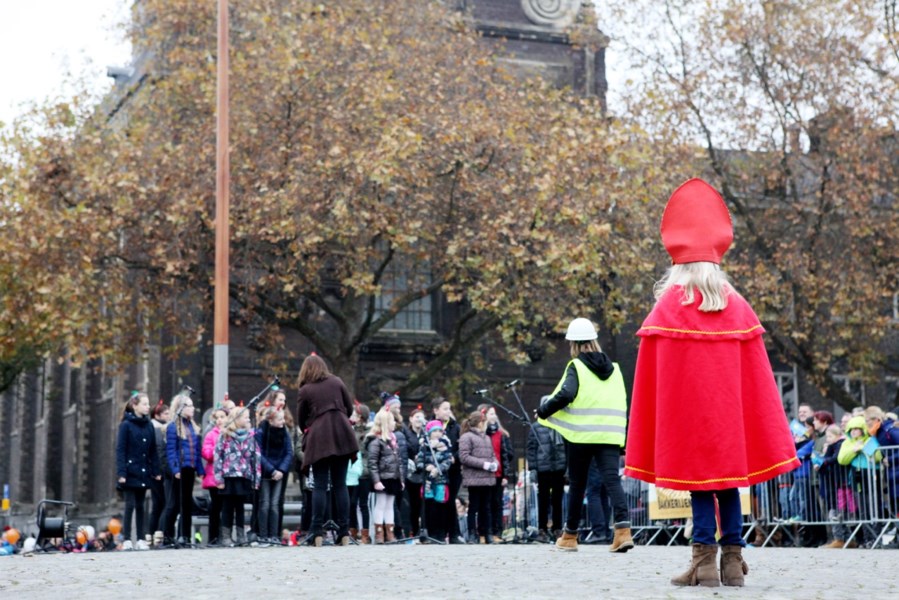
(810, 421)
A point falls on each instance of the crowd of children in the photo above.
(845, 465)
(848, 474)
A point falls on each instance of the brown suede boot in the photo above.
(366, 539)
(703, 570)
(354, 533)
(733, 567)
(622, 542)
(379, 534)
(388, 531)
(567, 541)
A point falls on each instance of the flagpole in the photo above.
(222, 209)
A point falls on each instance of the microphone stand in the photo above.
(251, 406)
(525, 420)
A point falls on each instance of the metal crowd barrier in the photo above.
(858, 505)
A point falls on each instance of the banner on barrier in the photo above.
(675, 504)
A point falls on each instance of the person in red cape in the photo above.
(702, 368)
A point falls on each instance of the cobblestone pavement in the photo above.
(438, 573)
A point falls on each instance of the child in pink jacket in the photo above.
(215, 505)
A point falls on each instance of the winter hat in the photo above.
(432, 425)
(696, 225)
(390, 399)
(856, 423)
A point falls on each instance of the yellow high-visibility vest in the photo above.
(598, 414)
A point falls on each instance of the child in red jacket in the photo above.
(702, 367)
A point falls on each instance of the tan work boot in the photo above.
(622, 542)
(703, 570)
(567, 541)
(379, 534)
(366, 539)
(733, 567)
(834, 544)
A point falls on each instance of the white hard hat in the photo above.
(581, 330)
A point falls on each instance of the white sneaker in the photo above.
(127, 545)
(142, 545)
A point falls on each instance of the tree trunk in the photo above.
(346, 366)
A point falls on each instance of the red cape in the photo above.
(705, 413)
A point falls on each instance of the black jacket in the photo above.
(452, 432)
(275, 449)
(506, 453)
(413, 443)
(136, 457)
(383, 460)
(402, 448)
(546, 450)
(597, 362)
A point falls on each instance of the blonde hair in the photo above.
(707, 277)
(381, 426)
(273, 413)
(584, 346)
(230, 427)
(874, 412)
(834, 429)
(177, 401)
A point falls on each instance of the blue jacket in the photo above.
(354, 471)
(804, 454)
(184, 452)
(276, 450)
(831, 474)
(135, 452)
(888, 435)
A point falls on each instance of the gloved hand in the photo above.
(492, 466)
(411, 466)
(487, 466)
(540, 409)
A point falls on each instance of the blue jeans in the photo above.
(268, 508)
(704, 524)
(786, 501)
(798, 495)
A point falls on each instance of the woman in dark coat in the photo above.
(137, 464)
(329, 442)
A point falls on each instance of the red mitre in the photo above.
(696, 225)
